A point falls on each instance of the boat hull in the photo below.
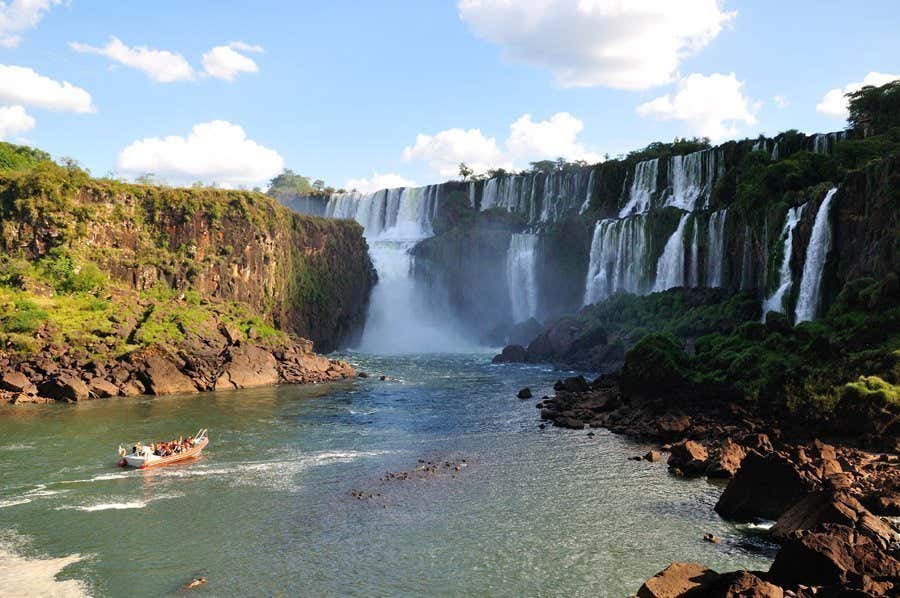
(139, 462)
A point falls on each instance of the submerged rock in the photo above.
(524, 393)
(510, 354)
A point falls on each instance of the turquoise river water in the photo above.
(268, 509)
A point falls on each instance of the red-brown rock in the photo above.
(689, 457)
(726, 460)
(162, 377)
(17, 382)
(764, 487)
(675, 580)
(64, 388)
(736, 584)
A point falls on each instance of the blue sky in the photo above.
(341, 89)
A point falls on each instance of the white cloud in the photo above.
(548, 139)
(712, 105)
(217, 151)
(14, 120)
(160, 65)
(22, 85)
(225, 62)
(444, 151)
(528, 141)
(834, 103)
(625, 44)
(20, 15)
(781, 101)
(378, 181)
(244, 47)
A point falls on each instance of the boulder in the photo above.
(524, 393)
(675, 580)
(887, 504)
(64, 388)
(573, 384)
(831, 555)
(820, 508)
(17, 382)
(671, 427)
(689, 457)
(248, 366)
(759, 443)
(725, 460)
(737, 584)
(162, 377)
(102, 388)
(653, 456)
(764, 487)
(511, 354)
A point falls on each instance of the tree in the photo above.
(318, 185)
(147, 178)
(875, 109)
(545, 166)
(465, 171)
(289, 182)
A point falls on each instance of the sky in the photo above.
(388, 93)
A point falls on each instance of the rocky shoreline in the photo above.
(221, 360)
(831, 503)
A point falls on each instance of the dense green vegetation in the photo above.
(806, 368)
(102, 267)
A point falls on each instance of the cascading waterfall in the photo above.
(400, 319)
(643, 188)
(670, 267)
(540, 197)
(694, 274)
(715, 252)
(521, 274)
(814, 265)
(587, 194)
(747, 260)
(775, 302)
(618, 258)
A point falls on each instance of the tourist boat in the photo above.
(143, 457)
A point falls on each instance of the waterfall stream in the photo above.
(618, 258)
(814, 266)
(670, 267)
(775, 302)
(521, 274)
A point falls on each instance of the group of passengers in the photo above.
(167, 449)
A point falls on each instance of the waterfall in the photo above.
(715, 248)
(643, 188)
(618, 258)
(774, 155)
(401, 319)
(775, 302)
(814, 265)
(670, 267)
(747, 260)
(521, 274)
(587, 194)
(691, 178)
(823, 143)
(694, 275)
(539, 197)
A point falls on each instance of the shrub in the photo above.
(654, 365)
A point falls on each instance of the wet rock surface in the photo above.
(827, 499)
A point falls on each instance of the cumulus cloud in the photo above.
(444, 151)
(612, 43)
(711, 105)
(20, 15)
(378, 181)
(160, 65)
(528, 141)
(834, 103)
(781, 101)
(14, 120)
(225, 62)
(216, 151)
(22, 85)
(557, 136)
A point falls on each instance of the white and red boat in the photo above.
(144, 457)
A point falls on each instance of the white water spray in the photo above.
(814, 266)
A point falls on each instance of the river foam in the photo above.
(22, 576)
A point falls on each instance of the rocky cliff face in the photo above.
(308, 276)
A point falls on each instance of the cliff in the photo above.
(152, 289)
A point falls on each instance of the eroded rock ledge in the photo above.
(831, 502)
(218, 361)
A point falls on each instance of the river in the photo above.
(269, 509)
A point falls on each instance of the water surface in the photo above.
(268, 510)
